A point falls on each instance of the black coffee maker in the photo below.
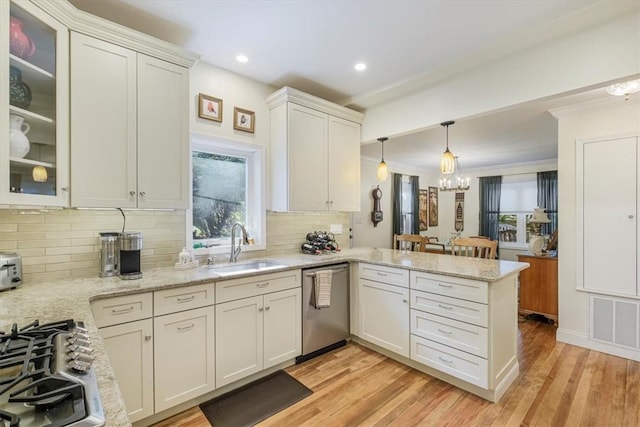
(129, 255)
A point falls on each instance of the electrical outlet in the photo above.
(335, 228)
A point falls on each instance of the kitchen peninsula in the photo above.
(484, 290)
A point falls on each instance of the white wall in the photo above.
(583, 60)
(615, 117)
(235, 91)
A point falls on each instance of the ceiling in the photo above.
(407, 46)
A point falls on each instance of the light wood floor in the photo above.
(558, 385)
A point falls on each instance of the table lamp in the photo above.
(536, 241)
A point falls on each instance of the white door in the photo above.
(609, 215)
(239, 337)
(344, 165)
(282, 326)
(130, 350)
(103, 124)
(307, 145)
(384, 316)
(184, 357)
(163, 132)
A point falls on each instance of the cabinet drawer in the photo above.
(229, 290)
(467, 367)
(453, 308)
(471, 290)
(460, 335)
(185, 298)
(389, 275)
(127, 308)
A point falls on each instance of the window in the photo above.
(226, 188)
(518, 197)
(406, 211)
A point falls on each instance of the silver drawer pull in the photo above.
(445, 307)
(262, 285)
(122, 310)
(186, 299)
(185, 328)
(450, 362)
(445, 286)
(445, 332)
(382, 274)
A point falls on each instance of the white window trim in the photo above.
(256, 213)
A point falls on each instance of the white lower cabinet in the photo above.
(184, 357)
(256, 333)
(130, 350)
(384, 311)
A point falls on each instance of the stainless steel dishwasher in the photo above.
(324, 329)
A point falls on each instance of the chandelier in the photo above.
(624, 88)
(455, 181)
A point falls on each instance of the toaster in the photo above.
(10, 270)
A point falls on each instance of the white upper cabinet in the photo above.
(129, 133)
(315, 154)
(34, 141)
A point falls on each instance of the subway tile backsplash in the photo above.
(65, 243)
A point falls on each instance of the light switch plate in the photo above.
(335, 228)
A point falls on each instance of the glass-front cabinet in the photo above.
(34, 105)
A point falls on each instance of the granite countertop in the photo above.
(70, 298)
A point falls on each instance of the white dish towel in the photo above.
(323, 288)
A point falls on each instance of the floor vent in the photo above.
(614, 321)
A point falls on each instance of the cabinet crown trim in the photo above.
(94, 26)
(288, 94)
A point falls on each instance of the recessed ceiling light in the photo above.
(242, 58)
(360, 66)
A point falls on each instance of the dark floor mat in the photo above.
(255, 402)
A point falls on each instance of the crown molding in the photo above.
(594, 105)
(90, 25)
(288, 94)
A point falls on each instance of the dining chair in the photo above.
(474, 247)
(434, 248)
(416, 241)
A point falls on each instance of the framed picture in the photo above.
(209, 108)
(244, 120)
(433, 206)
(459, 212)
(423, 210)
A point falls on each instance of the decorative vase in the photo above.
(19, 43)
(19, 143)
(19, 92)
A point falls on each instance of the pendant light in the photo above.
(383, 172)
(447, 163)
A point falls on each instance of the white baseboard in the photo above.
(583, 340)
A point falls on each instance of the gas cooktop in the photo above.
(46, 377)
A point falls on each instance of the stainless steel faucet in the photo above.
(236, 251)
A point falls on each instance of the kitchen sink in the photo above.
(249, 267)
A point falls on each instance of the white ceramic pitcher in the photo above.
(19, 143)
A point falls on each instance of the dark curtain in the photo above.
(397, 203)
(415, 204)
(490, 206)
(548, 199)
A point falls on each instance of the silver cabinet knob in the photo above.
(630, 216)
(267, 308)
(147, 337)
(260, 309)
(142, 193)
(65, 189)
(132, 193)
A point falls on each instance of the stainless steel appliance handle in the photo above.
(339, 270)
